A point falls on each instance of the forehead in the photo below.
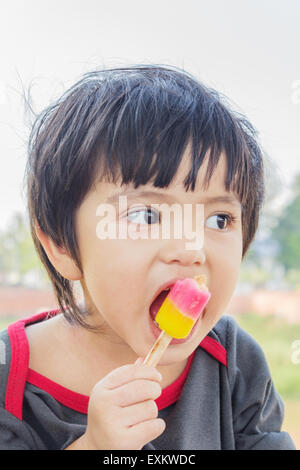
(176, 192)
(217, 180)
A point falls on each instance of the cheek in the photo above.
(225, 267)
(113, 269)
(115, 273)
(116, 258)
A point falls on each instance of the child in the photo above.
(74, 378)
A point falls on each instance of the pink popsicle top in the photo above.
(188, 297)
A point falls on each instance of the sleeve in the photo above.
(14, 434)
(256, 406)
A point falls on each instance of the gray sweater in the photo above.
(227, 401)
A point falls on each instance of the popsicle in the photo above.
(178, 314)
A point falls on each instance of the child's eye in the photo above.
(144, 216)
(219, 221)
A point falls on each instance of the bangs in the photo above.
(151, 123)
(133, 125)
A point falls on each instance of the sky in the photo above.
(247, 50)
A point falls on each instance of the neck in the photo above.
(95, 348)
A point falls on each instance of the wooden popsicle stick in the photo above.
(157, 350)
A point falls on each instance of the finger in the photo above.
(146, 431)
(137, 413)
(125, 374)
(135, 392)
(139, 361)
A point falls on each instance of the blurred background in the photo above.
(249, 51)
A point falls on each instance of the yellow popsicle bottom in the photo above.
(172, 321)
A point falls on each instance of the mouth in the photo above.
(157, 302)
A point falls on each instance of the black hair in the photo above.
(133, 124)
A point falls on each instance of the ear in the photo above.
(59, 257)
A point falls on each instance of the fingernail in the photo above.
(139, 361)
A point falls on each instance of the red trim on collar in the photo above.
(20, 373)
(75, 401)
(19, 363)
(78, 402)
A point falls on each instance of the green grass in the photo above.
(291, 422)
(276, 338)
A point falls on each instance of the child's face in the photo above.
(122, 276)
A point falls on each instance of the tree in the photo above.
(287, 231)
(18, 258)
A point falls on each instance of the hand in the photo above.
(122, 413)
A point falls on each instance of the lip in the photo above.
(166, 285)
(155, 329)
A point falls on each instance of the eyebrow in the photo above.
(162, 196)
(224, 199)
(135, 194)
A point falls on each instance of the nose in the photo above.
(177, 252)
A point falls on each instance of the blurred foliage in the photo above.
(287, 231)
(276, 337)
(273, 259)
(19, 263)
(293, 278)
(254, 275)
